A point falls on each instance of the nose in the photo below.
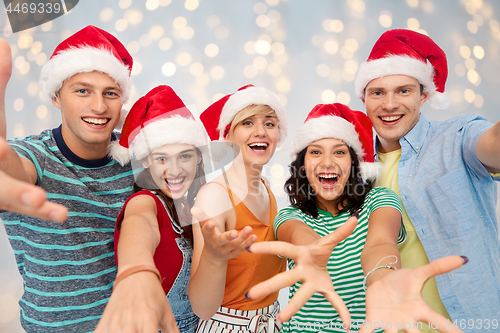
(260, 130)
(98, 104)
(172, 168)
(390, 102)
(327, 161)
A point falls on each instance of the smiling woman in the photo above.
(153, 232)
(234, 210)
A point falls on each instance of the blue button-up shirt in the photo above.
(450, 199)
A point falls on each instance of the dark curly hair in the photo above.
(302, 196)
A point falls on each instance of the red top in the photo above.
(167, 257)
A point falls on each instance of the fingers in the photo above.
(167, 323)
(439, 266)
(439, 322)
(340, 234)
(199, 214)
(296, 303)
(277, 248)
(340, 306)
(274, 284)
(23, 198)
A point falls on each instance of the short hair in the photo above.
(249, 111)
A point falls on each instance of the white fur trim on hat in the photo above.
(327, 127)
(175, 129)
(79, 60)
(253, 96)
(401, 65)
(338, 128)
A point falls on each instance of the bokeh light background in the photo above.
(308, 52)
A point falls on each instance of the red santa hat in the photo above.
(338, 121)
(158, 118)
(406, 52)
(217, 118)
(90, 49)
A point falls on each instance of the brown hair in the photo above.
(145, 179)
(302, 196)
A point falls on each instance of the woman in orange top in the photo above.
(241, 209)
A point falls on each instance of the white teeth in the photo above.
(390, 118)
(258, 144)
(95, 121)
(328, 176)
(175, 181)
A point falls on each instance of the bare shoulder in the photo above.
(214, 200)
(140, 205)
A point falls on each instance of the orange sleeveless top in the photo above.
(248, 269)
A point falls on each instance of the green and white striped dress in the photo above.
(318, 315)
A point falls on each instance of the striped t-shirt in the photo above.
(344, 265)
(69, 268)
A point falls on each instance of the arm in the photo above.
(488, 148)
(138, 303)
(384, 224)
(16, 174)
(311, 253)
(395, 297)
(213, 247)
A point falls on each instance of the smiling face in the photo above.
(90, 105)
(327, 165)
(256, 137)
(173, 168)
(393, 105)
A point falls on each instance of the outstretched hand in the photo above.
(222, 244)
(395, 301)
(310, 268)
(138, 304)
(23, 198)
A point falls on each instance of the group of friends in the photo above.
(121, 232)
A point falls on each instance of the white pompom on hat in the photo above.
(338, 121)
(158, 118)
(90, 49)
(406, 52)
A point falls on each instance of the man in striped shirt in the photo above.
(68, 268)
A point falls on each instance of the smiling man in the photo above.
(68, 268)
(444, 172)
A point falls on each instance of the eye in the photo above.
(185, 156)
(111, 93)
(161, 159)
(314, 152)
(247, 123)
(340, 152)
(269, 124)
(82, 91)
(405, 91)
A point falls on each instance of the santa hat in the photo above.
(217, 118)
(90, 49)
(406, 52)
(338, 121)
(156, 119)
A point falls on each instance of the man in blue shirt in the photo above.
(445, 174)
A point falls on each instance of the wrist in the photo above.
(136, 269)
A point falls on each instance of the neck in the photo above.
(85, 150)
(252, 172)
(386, 146)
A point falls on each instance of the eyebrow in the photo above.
(89, 85)
(335, 146)
(409, 85)
(182, 152)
